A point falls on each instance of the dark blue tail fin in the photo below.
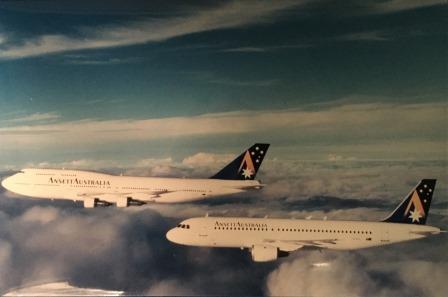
(415, 207)
(246, 166)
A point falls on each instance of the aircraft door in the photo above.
(203, 231)
(204, 237)
(385, 236)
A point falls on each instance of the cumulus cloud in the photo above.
(126, 249)
(169, 288)
(112, 249)
(207, 159)
(229, 15)
(5, 262)
(357, 274)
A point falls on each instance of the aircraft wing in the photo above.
(138, 198)
(292, 245)
(120, 199)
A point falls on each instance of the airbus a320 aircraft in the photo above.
(267, 239)
(99, 189)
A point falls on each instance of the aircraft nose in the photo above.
(5, 183)
(171, 235)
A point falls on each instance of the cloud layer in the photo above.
(229, 15)
(348, 131)
(43, 241)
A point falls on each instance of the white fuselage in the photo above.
(82, 185)
(289, 235)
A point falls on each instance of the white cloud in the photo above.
(126, 248)
(208, 160)
(40, 215)
(35, 117)
(402, 131)
(230, 15)
(344, 277)
(416, 272)
(356, 274)
(169, 288)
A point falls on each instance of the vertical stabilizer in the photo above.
(414, 208)
(246, 166)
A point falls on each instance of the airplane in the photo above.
(62, 288)
(268, 239)
(99, 189)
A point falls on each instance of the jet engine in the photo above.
(128, 201)
(94, 202)
(265, 253)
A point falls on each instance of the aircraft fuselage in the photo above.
(84, 185)
(289, 235)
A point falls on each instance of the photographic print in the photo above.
(231, 148)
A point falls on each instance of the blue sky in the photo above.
(100, 66)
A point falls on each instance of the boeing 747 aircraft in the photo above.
(99, 189)
(267, 239)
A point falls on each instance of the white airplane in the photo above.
(267, 239)
(99, 189)
(59, 289)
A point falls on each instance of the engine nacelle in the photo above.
(94, 202)
(89, 203)
(123, 202)
(264, 253)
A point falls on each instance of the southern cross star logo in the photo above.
(247, 164)
(415, 216)
(247, 173)
(418, 198)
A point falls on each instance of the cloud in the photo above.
(35, 117)
(355, 130)
(265, 49)
(102, 61)
(126, 249)
(365, 36)
(245, 49)
(357, 274)
(5, 262)
(169, 288)
(392, 6)
(229, 15)
(238, 83)
(208, 160)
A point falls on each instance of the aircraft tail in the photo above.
(246, 166)
(414, 208)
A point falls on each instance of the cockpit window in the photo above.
(183, 226)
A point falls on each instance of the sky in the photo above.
(351, 96)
